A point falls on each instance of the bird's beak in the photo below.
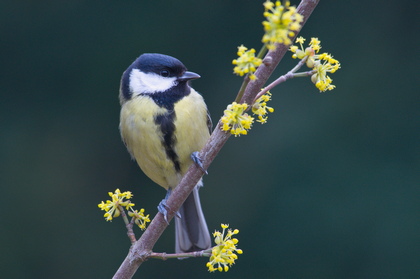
(188, 76)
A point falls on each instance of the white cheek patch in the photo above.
(146, 83)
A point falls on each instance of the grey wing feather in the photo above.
(209, 122)
(191, 232)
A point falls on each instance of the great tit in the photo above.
(163, 123)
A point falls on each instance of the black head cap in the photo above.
(160, 64)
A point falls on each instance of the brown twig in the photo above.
(196, 254)
(283, 78)
(142, 249)
(128, 225)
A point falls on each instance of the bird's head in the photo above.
(154, 73)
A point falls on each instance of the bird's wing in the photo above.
(209, 122)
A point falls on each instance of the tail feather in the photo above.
(191, 232)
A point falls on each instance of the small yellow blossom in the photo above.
(325, 64)
(260, 107)
(139, 218)
(281, 24)
(223, 254)
(300, 40)
(309, 52)
(321, 64)
(315, 44)
(235, 120)
(112, 207)
(246, 63)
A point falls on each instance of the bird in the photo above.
(164, 122)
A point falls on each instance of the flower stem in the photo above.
(242, 89)
(262, 52)
(128, 225)
(299, 65)
(303, 74)
(291, 74)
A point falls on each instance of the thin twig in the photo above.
(196, 254)
(289, 75)
(128, 225)
(242, 89)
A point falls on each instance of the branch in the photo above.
(142, 249)
(291, 74)
(274, 57)
(128, 225)
(196, 254)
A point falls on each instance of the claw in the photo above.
(198, 162)
(163, 207)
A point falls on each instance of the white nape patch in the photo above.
(146, 83)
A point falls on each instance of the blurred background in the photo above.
(328, 188)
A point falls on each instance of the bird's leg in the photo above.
(163, 207)
(197, 160)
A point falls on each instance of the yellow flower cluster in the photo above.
(223, 254)
(321, 64)
(281, 24)
(235, 120)
(113, 208)
(326, 64)
(139, 218)
(300, 53)
(246, 63)
(309, 53)
(260, 107)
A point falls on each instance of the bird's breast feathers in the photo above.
(163, 152)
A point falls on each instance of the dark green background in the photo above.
(328, 188)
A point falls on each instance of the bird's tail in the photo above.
(191, 232)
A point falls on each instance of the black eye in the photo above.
(164, 73)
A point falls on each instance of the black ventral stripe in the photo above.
(166, 120)
(167, 126)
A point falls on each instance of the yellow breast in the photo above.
(144, 138)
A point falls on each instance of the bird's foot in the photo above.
(197, 160)
(163, 207)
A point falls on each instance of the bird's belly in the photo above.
(145, 140)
